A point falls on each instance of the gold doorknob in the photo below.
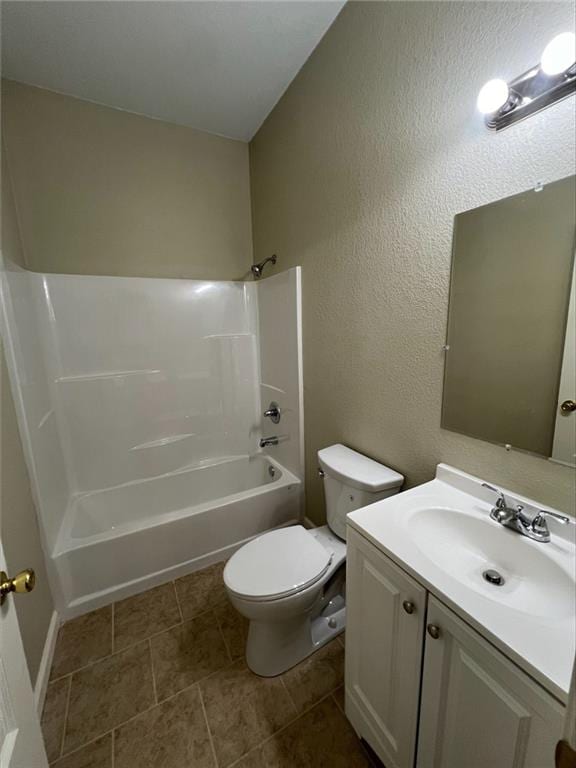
(23, 582)
(568, 406)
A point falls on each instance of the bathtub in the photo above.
(116, 542)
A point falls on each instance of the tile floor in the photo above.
(159, 681)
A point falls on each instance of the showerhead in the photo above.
(257, 269)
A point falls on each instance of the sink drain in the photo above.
(493, 577)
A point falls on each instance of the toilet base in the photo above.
(275, 647)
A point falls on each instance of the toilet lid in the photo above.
(276, 564)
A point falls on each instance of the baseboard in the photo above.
(43, 675)
(307, 523)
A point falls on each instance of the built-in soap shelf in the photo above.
(107, 375)
(163, 441)
(229, 336)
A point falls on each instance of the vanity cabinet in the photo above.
(426, 690)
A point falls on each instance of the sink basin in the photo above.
(442, 535)
(465, 546)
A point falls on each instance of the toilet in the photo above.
(290, 582)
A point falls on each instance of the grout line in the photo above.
(148, 709)
(285, 727)
(288, 693)
(178, 602)
(333, 694)
(152, 670)
(218, 624)
(115, 651)
(112, 625)
(66, 709)
(82, 746)
(132, 645)
(210, 736)
(97, 661)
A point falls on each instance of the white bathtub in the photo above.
(120, 541)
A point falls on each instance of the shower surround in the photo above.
(140, 405)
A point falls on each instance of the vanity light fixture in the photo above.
(554, 78)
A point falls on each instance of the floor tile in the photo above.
(187, 653)
(234, 628)
(97, 754)
(83, 640)
(138, 617)
(201, 591)
(108, 693)
(243, 710)
(316, 676)
(173, 734)
(321, 738)
(54, 715)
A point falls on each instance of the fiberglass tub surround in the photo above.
(149, 375)
(154, 389)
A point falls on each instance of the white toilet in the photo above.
(290, 582)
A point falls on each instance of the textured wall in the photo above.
(105, 192)
(357, 175)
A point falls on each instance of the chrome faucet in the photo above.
(514, 517)
(273, 412)
(273, 440)
(266, 441)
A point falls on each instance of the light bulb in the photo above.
(559, 54)
(493, 95)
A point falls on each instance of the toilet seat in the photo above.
(277, 564)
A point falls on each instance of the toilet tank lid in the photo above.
(357, 470)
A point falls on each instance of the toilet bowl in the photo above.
(290, 582)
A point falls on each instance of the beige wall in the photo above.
(19, 531)
(357, 175)
(101, 191)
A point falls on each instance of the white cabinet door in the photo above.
(384, 639)
(478, 709)
(21, 744)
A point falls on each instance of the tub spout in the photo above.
(274, 440)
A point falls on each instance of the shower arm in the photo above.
(257, 269)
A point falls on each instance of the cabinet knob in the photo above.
(433, 631)
(408, 606)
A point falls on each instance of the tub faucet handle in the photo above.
(273, 412)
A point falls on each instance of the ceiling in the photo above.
(216, 66)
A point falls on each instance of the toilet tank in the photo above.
(351, 481)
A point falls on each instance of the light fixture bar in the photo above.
(530, 93)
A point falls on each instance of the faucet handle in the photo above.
(544, 513)
(539, 524)
(273, 412)
(501, 502)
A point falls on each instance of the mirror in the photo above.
(510, 357)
